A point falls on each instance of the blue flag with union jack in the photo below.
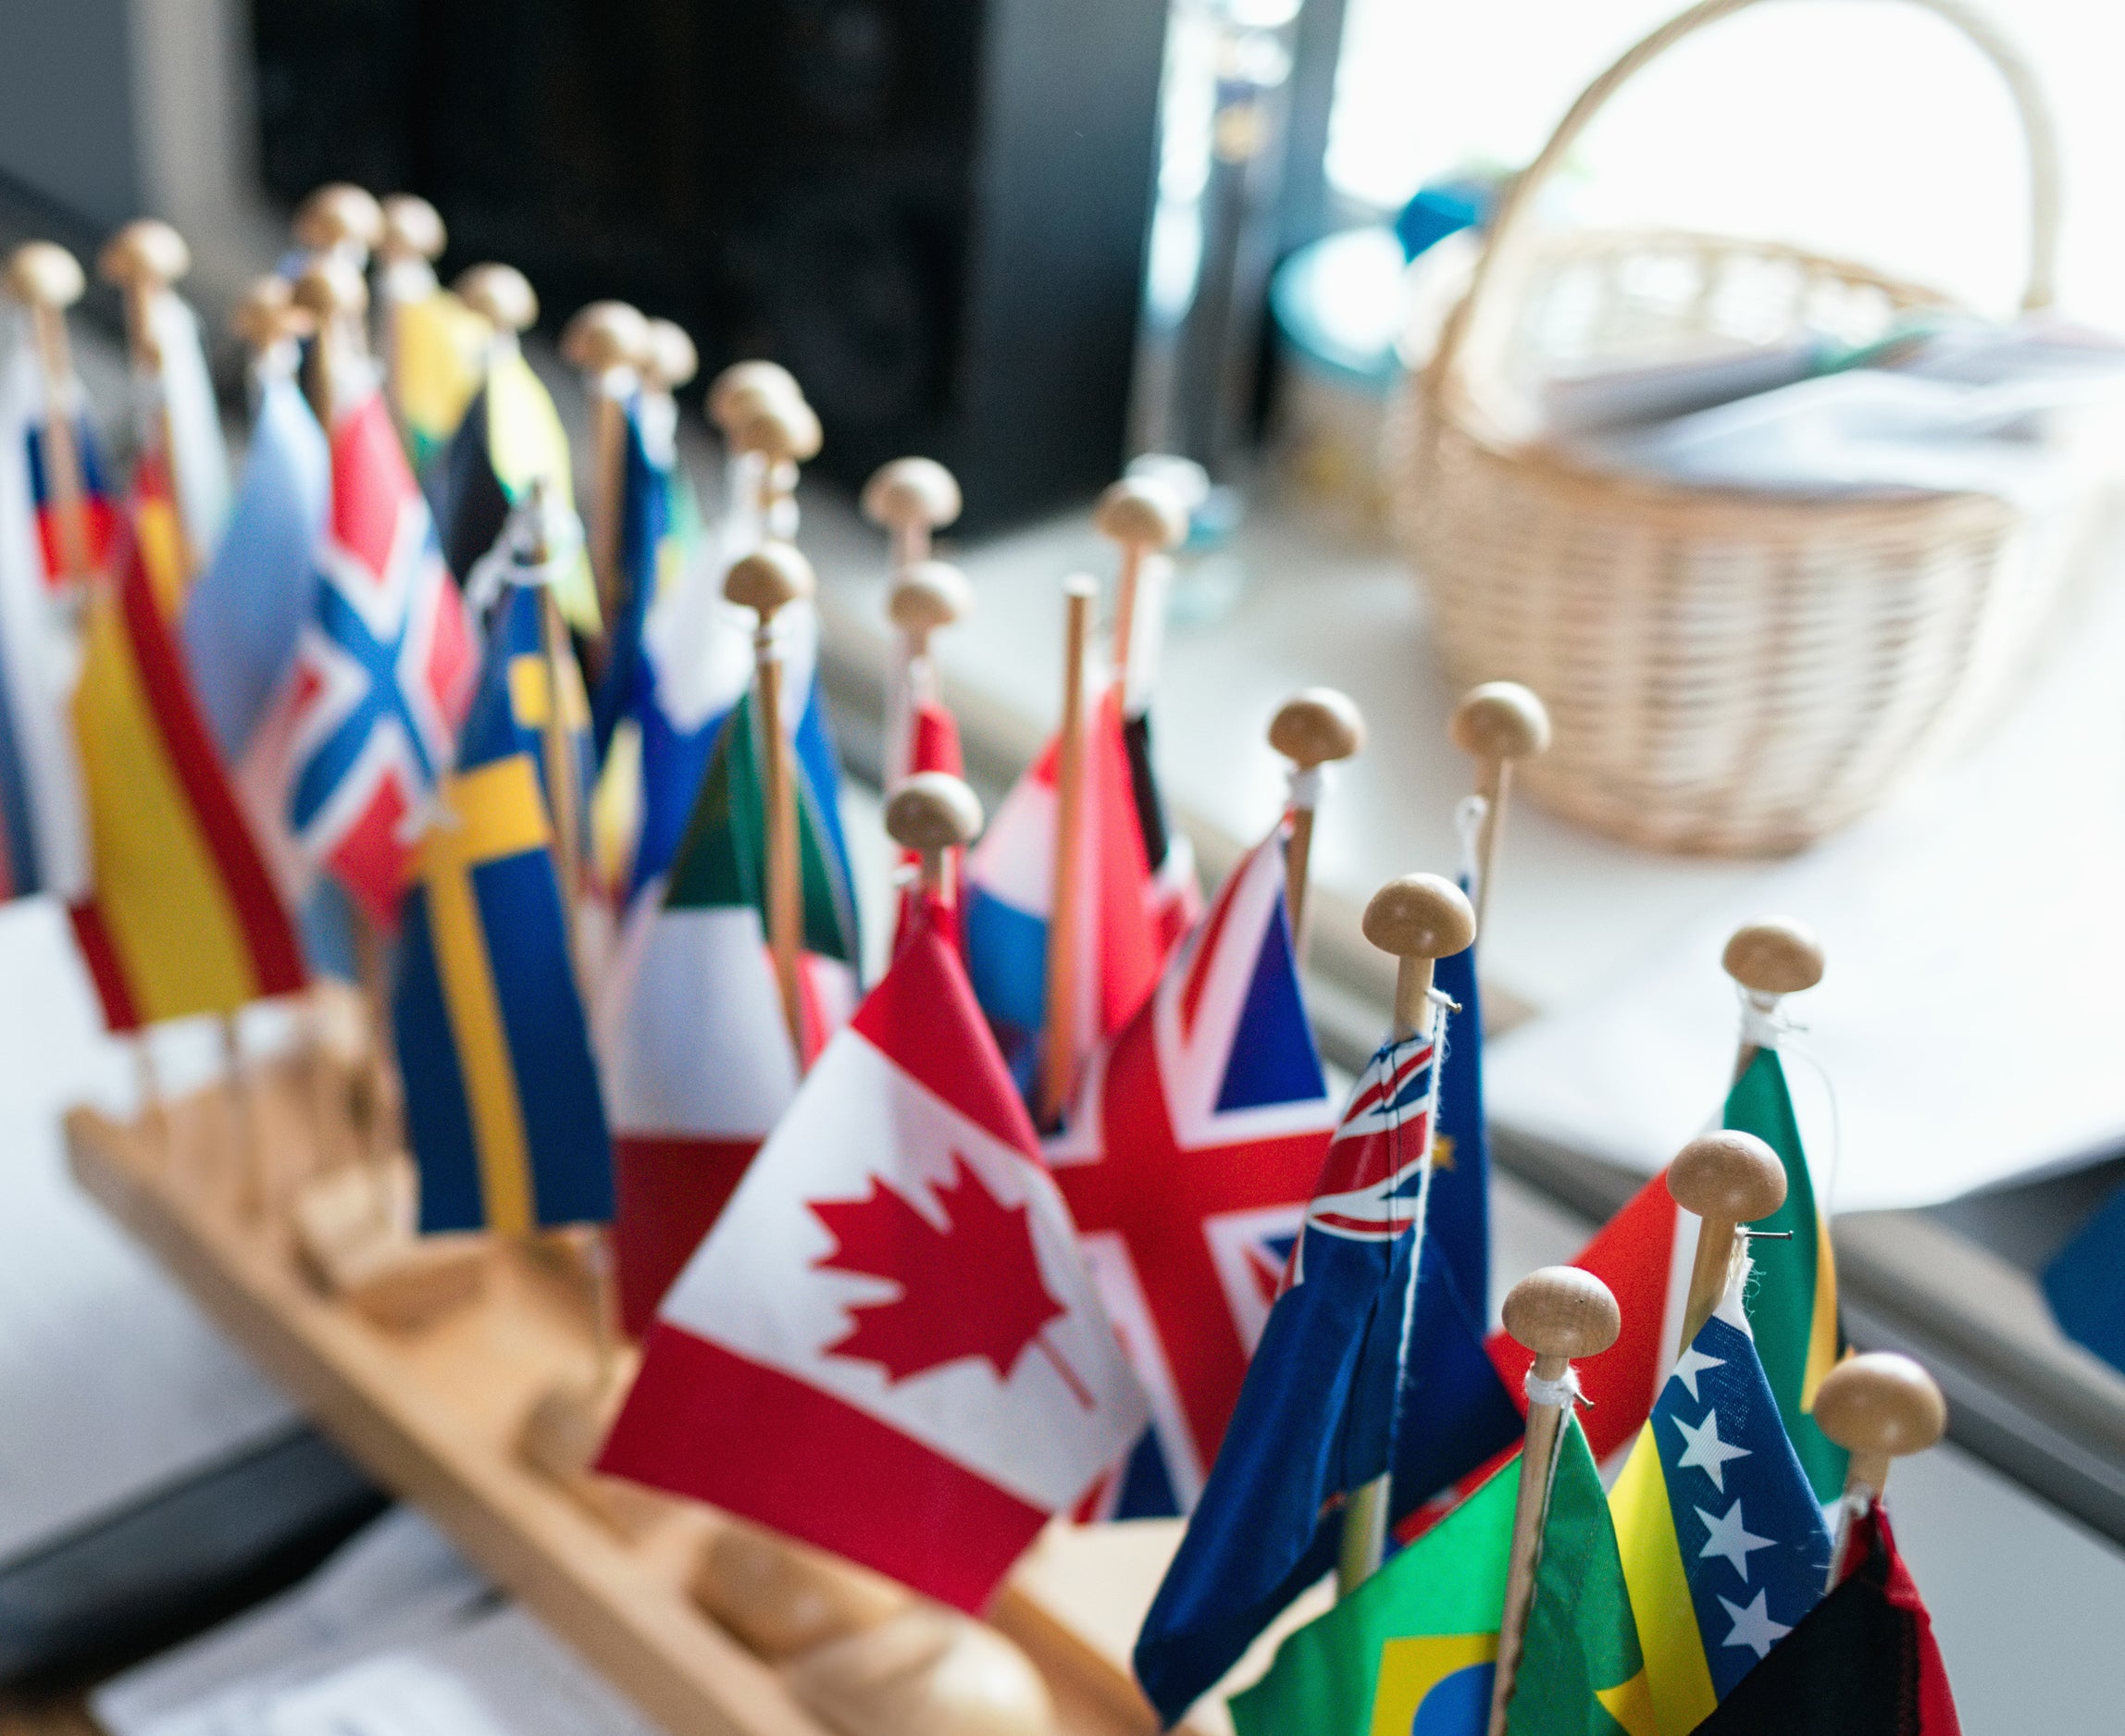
(1315, 1418)
(1188, 1164)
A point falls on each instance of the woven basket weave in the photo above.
(1729, 672)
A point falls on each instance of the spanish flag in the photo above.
(183, 916)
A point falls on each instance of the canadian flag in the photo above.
(889, 1345)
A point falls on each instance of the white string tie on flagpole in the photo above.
(1764, 1023)
(1306, 787)
(1559, 1394)
(1469, 813)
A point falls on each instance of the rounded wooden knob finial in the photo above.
(501, 292)
(1881, 1404)
(928, 595)
(1500, 720)
(147, 253)
(331, 288)
(1728, 1177)
(927, 1672)
(412, 229)
(932, 811)
(1140, 512)
(773, 575)
(781, 429)
(1420, 916)
(673, 360)
(1562, 1312)
(268, 314)
(1776, 955)
(911, 491)
(605, 335)
(336, 214)
(44, 273)
(1315, 727)
(754, 381)
(782, 1598)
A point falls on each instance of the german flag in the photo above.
(183, 916)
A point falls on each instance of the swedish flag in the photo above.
(502, 1096)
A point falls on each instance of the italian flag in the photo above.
(699, 1063)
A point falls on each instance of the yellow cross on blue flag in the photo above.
(502, 1094)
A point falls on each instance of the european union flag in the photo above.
(502, 1096)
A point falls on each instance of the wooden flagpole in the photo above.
(1770, 960)
(1143, 517)
(1499, 723)
(338, 220)
(925, 596)
(782, 434)
(1561, 1313)
(1417, 920)
(47, 280)
(910, 499)
(143, 259)
(1310, 729)
(1877, 1406)
(1728, 1178)
(608, 343)
(1059, 1057)
(504, 297)
(671, 360)
(735, 397)
(934, 814)
(767, 581)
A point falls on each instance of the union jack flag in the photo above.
(384, 670)
(1198, 1138)
(1372, 1187)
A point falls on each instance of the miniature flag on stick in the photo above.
(71, 507)
(384, 668)
(510, 438)
(1304, 1462)
(183, 916)
(922, 734)
(435, 347)
(888, 1347)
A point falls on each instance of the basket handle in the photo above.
(1476, 319)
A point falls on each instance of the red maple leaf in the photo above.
(971, 1289)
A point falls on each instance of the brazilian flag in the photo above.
(1412, 1650)
(1793, 1309)
(1581, 1673)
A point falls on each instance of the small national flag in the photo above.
(1793, 1309)
(1316, 1413)
(1414, 1650)
(441, 352)
(890, 1346)
(1723, 1543)
(698, 1051)
(514, 700)
(932, 746)
(1581, 1672)
(1011, 891)
(501, 1097)
(1188, 1163)
(28, 407)
(43, 831)
(2085, 1282)
(511, 437)
(645, 541)
(183, 916)
(1863, 1662)
(246, 611)
(198, 458)
(384, 670)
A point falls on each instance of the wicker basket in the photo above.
(1729, 672)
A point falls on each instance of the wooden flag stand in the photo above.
(1310, 729)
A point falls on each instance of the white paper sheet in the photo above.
(1971, 1019)
(111, 1382)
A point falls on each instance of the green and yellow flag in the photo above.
(1414, 1650)
(1581, 1673)
(1793, 1309)
(440, 356)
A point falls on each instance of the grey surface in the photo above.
(66, 112)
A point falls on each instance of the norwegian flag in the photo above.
(1188, 1164)
(384, 669)
(888, 1344)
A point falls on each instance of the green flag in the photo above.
(1413, 1649)
(1793, 1309)
(1581, 1673)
